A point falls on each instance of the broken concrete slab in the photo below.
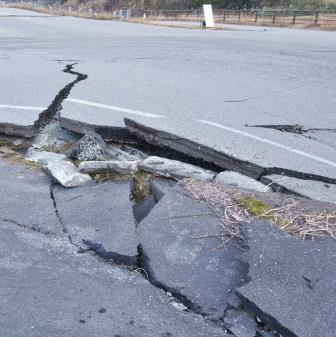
(43, 157)
(99, 214)
(70, 294)
(241, 323)
(315, 190)
(114, 133)
(25, 198)
(179, 241)
(174, 169)
(293, 282)
(116, 166)
(160, 186)
(236, 179)
(90, 147)
(66, 173)
(215, 144)
(162, 138)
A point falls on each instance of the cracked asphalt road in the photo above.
(49, 286)
(203, 85)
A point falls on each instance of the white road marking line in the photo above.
(21, 107)
(115, 108)
(270, 142)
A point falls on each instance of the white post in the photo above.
(208, 16)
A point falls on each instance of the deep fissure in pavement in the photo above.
(143, 264)
(53, 199)
(56, 105)
(191, 152)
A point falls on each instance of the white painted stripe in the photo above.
(270, 142)
(115, 108)
(21, 107)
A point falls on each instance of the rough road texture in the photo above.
(293, 283)
(52, 288)
(25, 198)
(48, 289)
(179, 251)
(100, 215)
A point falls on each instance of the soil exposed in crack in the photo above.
(56, 105)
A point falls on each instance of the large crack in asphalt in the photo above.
(207, 157)
(53, 110)
(53, 199)
(99, 250)
(143, 264)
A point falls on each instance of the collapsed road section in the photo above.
(154, 234)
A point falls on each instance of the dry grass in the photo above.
(222, 205)
(237, 209)
(99, 12)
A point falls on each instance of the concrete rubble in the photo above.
(239, 180)
(43, 157)
(90, 147)
(116, 166)
(197, 281)
(174, 169)
(66, 173)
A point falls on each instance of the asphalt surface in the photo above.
(203, 85)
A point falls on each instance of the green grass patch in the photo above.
(108, 176)
(253, 205)
(262, 210)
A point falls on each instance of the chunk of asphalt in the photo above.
(99, 214)
(90, 147)
(66, 173)
(142, 208)
(25, 198)
(43, 157)
(241, 323)
(225, 152)
(180, 254)
(293, 282)
(174, 169)
(236, 179)
(110, 133)
(160, 186)
(192, 148)
(315, 190)
(114, 166)
(70, 294)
